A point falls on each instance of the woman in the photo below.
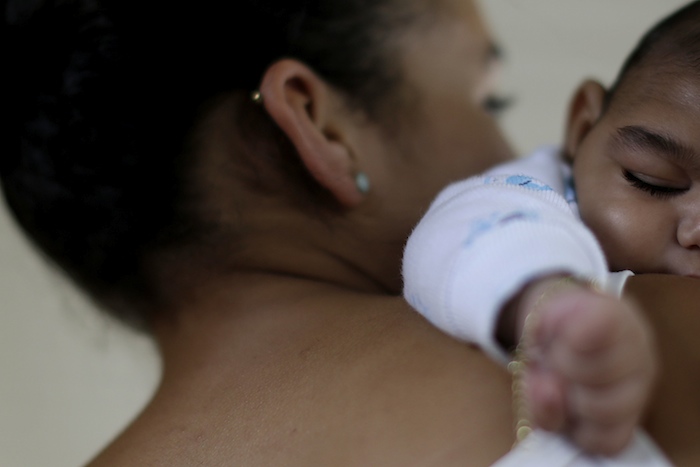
(239, 180)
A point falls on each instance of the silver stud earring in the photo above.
(256, 96)
(362, 182)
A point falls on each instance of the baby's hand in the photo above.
(591, 364)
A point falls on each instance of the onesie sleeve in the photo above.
(481, 241)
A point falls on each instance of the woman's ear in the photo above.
(309, 112)
(585, 109)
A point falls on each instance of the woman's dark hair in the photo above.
(672, 45)
(103, 98)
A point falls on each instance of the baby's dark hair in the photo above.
(103, 98)
(673, 44)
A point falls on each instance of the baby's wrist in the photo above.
(529, 301)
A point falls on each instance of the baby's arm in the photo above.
(482, 243)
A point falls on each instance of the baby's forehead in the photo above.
(663, 83)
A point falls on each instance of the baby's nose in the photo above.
(689, 231)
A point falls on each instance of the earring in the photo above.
(256, 96)
(362, 182)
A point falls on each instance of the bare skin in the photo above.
(337, 378)
(671, 305)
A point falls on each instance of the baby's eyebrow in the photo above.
(666, 146)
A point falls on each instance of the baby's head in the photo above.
(636, 152)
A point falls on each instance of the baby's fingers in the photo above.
(621, 404)
(605, 344)
(546, 399)
(606, 440)
(589, 322)
(604, 418)
(629, 360)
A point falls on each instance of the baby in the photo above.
(622, 194)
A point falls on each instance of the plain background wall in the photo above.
(70, 379)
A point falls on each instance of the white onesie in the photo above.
(485, 237)
(480, 242)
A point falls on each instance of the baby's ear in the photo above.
(585, 109)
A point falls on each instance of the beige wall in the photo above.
(70, 379)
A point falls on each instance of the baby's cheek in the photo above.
(622, 236)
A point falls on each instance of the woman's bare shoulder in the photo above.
(378, 386)
(672, 305)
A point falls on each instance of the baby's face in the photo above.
(637, 174)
